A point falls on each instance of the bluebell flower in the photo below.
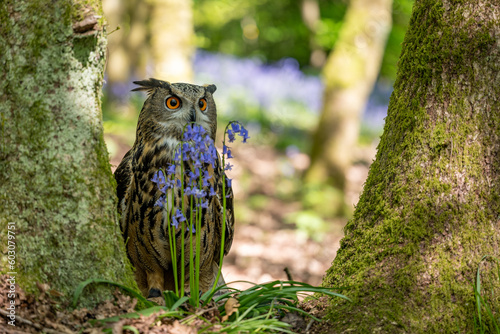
(160, 201)
(171, 169)
(179, 216)
(174, 222)
(197, 193)
(229, 182)
(158, 178)
(197, 164)
(230, 136)
(204, 182)
(155, 178)
(193, 230)
(244, 134)
(235, 126)
(228, 166)
(212, 192)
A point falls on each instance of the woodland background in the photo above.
(268, 60)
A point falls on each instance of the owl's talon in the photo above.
(154, 293)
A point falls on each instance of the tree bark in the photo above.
(56, 185)
(349, 75)
(430, 207)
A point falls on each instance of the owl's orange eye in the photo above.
(173, 102)
(202, 104)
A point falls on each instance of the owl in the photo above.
(166, 111)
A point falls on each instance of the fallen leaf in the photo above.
(231, 306)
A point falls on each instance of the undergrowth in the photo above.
(258, 308)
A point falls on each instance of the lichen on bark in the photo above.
(430, 207)
(55, 180)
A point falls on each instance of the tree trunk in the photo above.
(56, 186)
(430, 207)
(349, 75)
(172, 39)
(128, 48)
(309, 10)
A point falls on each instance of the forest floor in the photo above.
(266, 241)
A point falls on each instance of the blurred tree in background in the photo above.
(349, 75)
(172, 39)
(154, 38)
(128, 47)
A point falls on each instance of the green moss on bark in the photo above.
(55, 179)
(430, 208)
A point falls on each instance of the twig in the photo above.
(309, 325)
(288, 275)
(32, 324)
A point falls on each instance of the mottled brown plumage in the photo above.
(143, 224)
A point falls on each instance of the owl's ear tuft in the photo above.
(151, 84)
(210, 88)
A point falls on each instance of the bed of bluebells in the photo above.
(198, 149)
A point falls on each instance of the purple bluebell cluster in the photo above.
(199, 149)
(280, 89)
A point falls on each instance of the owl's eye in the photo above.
(202, 104)
(173, 102)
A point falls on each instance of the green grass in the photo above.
(257, 308)
(485, 322)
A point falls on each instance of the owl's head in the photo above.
(170, 106)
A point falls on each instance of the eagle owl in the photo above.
(167, 110)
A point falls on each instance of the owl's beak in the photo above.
(192, 118)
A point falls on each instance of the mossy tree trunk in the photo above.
(349, 75)
(56, 185)
(430, 207)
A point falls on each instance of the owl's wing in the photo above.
(123, 175)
